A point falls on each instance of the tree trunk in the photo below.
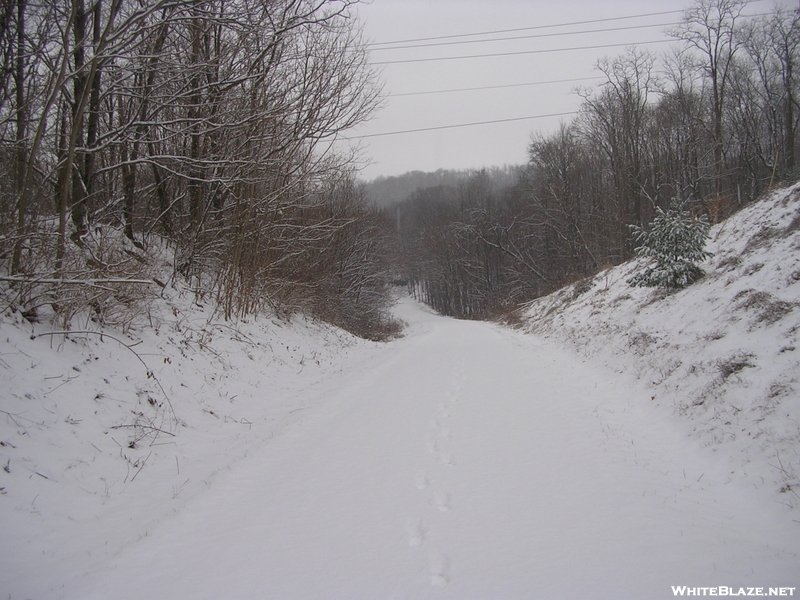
(21, 154)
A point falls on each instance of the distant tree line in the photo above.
(712, 124)
(388, 191)
(204, 125)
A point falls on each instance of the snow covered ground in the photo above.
(275, 460)
(722, 353)
(100, 441)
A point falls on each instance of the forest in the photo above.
(186, 139)
(712, 124)
(150, 142)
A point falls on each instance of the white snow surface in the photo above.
(722, 353)
(289, 460)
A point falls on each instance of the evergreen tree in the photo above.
(676, 239)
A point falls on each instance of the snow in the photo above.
(463, 460)
(722, 353)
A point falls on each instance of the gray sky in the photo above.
(535, 79)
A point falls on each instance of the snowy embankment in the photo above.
(723, 353)
(102, 437)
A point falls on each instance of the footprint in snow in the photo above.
(432, 445)
(422, 481)
(439, 566)
(447, 460)
(442, 501)
(415, 531)
(438, 422)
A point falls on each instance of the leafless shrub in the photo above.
(558, 303)
(768, 309)
(790, 480)
(621, 298)
(775, 311)
(754, 268)
(742, 294)
(753, 299)
(777, 391)
(734, 364)
(640, 342)
(657, 295)
(512, 318)
(761, 238)
(665, 370)
(729, 263)
(105, 280)
(581, 287)
(715, 335)
(793, 226)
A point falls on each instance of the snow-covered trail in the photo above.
(465, 461)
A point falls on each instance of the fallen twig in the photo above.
(144, 462)
(145, 427)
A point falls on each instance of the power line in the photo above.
(594, 47)
(445, 37)
(527, 37)
(372, 135)
(495, 87)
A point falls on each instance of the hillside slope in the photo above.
(102, 437)
(723, 353)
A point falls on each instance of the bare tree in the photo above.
(772, 44)
(212, 122)
(709, 27)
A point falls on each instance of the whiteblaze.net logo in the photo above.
(722, 590)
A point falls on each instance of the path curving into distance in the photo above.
(464, 461)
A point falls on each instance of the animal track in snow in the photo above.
(446, 460)
(458, 377)
(422, 481)
(439, 566)
(442, 413)
(442, 501)
(438, 436)
(415, 531)
(432, 445)
(438, 422)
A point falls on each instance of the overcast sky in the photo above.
(530, 77)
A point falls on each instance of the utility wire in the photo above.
(495, 87)
(446, 37)
(451, 37)
(527, 37)
(372, 135)
(593, 47)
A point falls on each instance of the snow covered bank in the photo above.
(102, 437)
(722, 353)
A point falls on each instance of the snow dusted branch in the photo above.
(73, 281)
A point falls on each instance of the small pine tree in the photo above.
(676, 240)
